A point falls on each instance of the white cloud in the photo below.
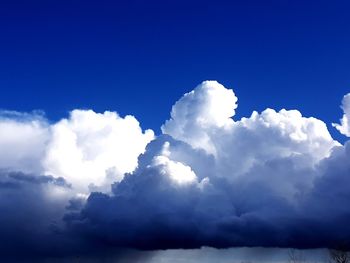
(271, 135)
(278, 199)
(344, 126)
(23, 139)
(88, 146)
(178, 172)
(210, 105)
(202, 118)
(209, 178)
(92, 150)
(87, 149)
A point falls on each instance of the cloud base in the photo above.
(96, 180)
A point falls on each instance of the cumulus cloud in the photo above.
(23, 138)
(247, 180)
(208, 106)
(241, 146)
(31, 207)
(89, 150)
(48, 169)
(276, 178)
(93, 149)
(344, 126)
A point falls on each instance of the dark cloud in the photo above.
(147, 211)
(28, 216)
(275, 179)
(21, 178)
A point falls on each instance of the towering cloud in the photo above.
(276, 178)
(210, 105)
(202, 118)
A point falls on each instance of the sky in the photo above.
(137, 129)
(57, 56)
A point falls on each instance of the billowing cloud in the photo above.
(88, 149)
(23, 139)
(31, 207)
(208, 106)
(276, 178)
(92, 149)
(251, 182)
(344, 126)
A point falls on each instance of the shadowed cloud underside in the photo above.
(274, 179)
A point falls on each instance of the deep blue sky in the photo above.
(139, 57)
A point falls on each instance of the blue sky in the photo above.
(181, 170)
(138, 57)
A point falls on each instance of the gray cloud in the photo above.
(274, 179)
